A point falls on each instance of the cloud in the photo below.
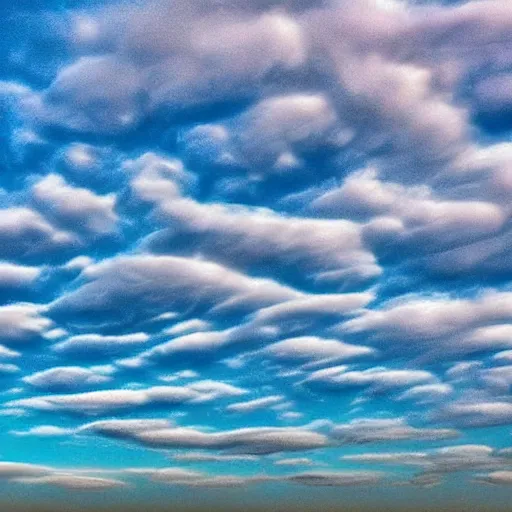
(398, 458)
(257, 440)
(78, 263)
(8, 368)
(314, 194)
(44, 431)
(75, 482)
(26, 235)
(183, 374)
(423, 320)
(66, 378)
(324, 251)
(496, 478)
(78, 209)
(10, 470)
(211, 390)
(410, 222)
(366, 430)
(131, 284)
(273, 133)
(6, 353)
(188, 326)
(17, 275)
(222, 481)
(441, 460)
(209, 457)
(246, 49)
(337, 479)
(247, 441)
(22, 322)
(377, 379)
(200, 343)
(485, 258)
(427, 224)
(504, 356)
(264, 326)
(124, 428)
(312, 348)
(35, 474)
(254, 405)
(179, 476)
(427, 393)
(101, 402)
(97, 344)
(81, 156)
(498, 377)
(306, 311)
(300, 461)
(156, 178)
(476, 413)
(72, 99)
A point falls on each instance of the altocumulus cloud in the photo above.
(254, 236)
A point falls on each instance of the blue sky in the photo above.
(256, 253)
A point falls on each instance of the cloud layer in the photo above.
(256, 244)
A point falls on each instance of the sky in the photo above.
(255, 254)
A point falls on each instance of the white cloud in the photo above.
(198, 342)
(361, 431)
(448, 459)
(423, 223)
(254, 405)
(66, 377)
(187, 326)
(323, 250)
(22, 322)
(26, 233)
(74, 482)
(251, 441)
(245, 49)
(209, 457)
(269, 132)
(78, 209)
(78, 263)
(157, 178)
(122, 428)
(17, 275)
(421, 320)
(179, 476)
(98, 402)
(378, 378)
(313, 348)
(6, 353)
(303, 308)
(504, 356)
(80, 156)
(477, 413)
(131, 284)
(183, 374)
(497, 478)
(9, 368)
(426, 393)
(10, 470)
(290, 416)
(44, 431)
(300, 461)
(97, 343)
